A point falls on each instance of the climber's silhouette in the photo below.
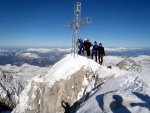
(144, 98)
(66, 106)
(117, 104)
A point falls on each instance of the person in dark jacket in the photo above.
(94, 50)
(80, 45)
(87, 44)
(84, 43)
(101, 53)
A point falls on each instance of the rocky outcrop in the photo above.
(10, 88)
(55, 99)
(129, 65)
(100, 81)
(13, 80)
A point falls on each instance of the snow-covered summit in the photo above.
(68, 66)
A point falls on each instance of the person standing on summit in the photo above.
(94, 50)
(87, 44)
(101, 53)
(80, 45)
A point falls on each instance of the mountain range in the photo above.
(49, 56)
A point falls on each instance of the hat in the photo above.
(85, 39)
(100, 44)
(95, 42)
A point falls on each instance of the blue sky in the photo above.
(115, 23)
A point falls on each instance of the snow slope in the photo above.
(128, 92)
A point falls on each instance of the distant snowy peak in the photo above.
(129, 64)
(1, 50)
(30, 55)
(46, 50)
(121, 49)
(41, 50)
(64, 49)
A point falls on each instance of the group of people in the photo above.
(97, 50)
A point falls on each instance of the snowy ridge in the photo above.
(121, 49)
(25, 71)
(64, 50)
(46, 50)
(30, 55)
(67, 66)
(41, 50)
(1, 50)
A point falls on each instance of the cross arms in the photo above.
(78, 23)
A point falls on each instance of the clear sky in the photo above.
(115, 23)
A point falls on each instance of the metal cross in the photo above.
(75, 25)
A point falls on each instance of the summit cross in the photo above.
(75, 25)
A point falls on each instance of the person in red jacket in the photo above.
(101, 53)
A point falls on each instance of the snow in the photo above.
(3, 93)
(1, 50)
(116, 49)
(24, 97)
(68, 66)
(112, 60)
(133, 88)
(41, 50)
(121, 49)
(30, 55)
(64, 49)
(46, 50)
(25, 71)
